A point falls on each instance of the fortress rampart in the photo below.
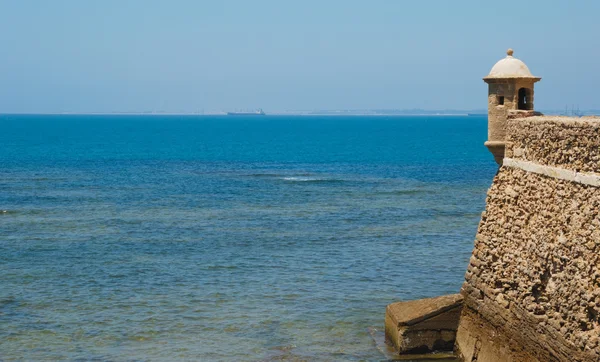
(532, 288)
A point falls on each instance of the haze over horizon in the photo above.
(184, 56)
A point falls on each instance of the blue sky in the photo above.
(130, 55)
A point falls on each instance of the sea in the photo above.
(215, 238)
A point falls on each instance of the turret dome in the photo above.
(510, 67)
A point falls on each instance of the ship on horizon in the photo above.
(258, 112)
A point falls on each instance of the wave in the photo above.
(309, 179)
(267, 175)
(6, 301)
(299, 177)
(220, 267)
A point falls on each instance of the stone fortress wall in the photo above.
(532, 288)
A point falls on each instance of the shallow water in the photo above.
(210, 238)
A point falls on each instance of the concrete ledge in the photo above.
(428, 357)
(590, 179)
(423, 326)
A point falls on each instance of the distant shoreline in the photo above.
(225, 115)
(450, 113)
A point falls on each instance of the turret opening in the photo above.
(525, 101)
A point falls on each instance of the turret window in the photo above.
(500, 100)
(525, 101)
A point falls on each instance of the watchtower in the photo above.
(510, 95)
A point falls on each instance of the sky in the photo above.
(189, 56)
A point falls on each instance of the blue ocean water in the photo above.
(134, 238)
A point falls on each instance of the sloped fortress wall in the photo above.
(532, 289)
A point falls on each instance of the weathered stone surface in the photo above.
(424, 325)
(532, 288)
(567, 142)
